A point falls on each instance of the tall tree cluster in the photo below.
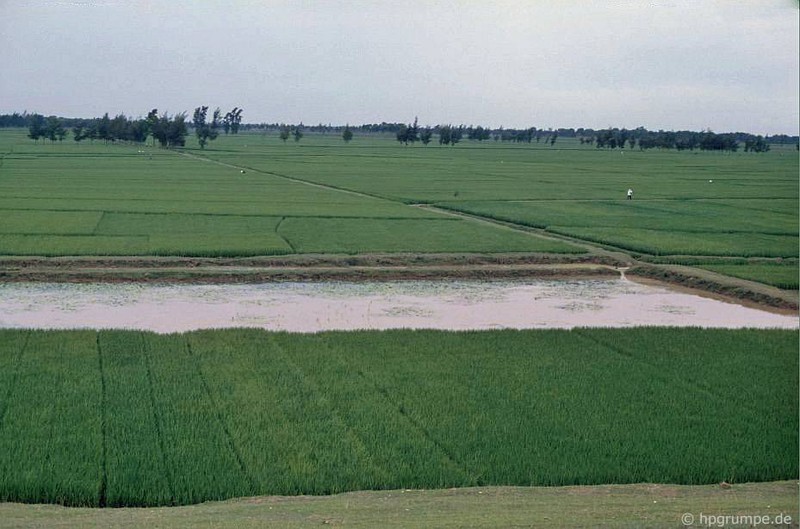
(679, 140)
(232, 120)
(450, 135)
(168, 131)
(50, 128)
(205, 132)
(408, 133)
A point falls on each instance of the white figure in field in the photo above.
(630, 194)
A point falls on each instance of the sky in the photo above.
(662, 64)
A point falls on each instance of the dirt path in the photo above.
(283, 176)
(640, 505)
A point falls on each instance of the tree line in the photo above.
(679, 140)
(171, 131)
(168, 131)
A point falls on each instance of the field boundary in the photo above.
(390, 267)
(638, 505)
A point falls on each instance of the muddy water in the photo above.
(310, 307)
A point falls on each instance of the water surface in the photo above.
(311, 307)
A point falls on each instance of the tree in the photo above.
(298, 132)
(170, 132)
(413, 132)
(200, 127)
(455, 134)
(232, 120)
(284, 133)
(408, 133)
(152, 123)
(347, 134)
(55, 129)
(118, 128)
(214, 126)
(205, 131)
(137, 131)
(77, 133)
(104, 128)
(553, 139)
(444, 135)
(756, 144)
(237, 120)
(176, 132)
(402, 135)
(92, 132)
(478, 133)
(37, 128)
(425, 135)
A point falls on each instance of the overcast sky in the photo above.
(662, 64)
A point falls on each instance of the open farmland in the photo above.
(322, 196)
(685, 203)
(122, 418)
(96, 199)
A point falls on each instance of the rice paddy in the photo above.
(321, 196)
(123, 418)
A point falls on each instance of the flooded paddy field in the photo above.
(313, 307)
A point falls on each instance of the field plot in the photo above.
(127, 418)
(777, 274)
(694, 203)
(95, 199)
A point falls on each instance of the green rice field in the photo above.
(696, 203)
(96, 199)
(124, 418)
(323, 196)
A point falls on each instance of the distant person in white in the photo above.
(630, 194)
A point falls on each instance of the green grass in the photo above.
(122, 418)
(666, 242)
(780, 275)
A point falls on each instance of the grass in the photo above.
(781, 273)
(784, 276)
(123, 418)
(641, 506)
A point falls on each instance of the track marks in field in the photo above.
(322, 396)
(15, 368)
(102, 492)
(157, 420)
(419, 427)
(219, 416)
(286, 240)
(685, 380)
(357, 398)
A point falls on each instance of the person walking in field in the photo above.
(630, 194)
